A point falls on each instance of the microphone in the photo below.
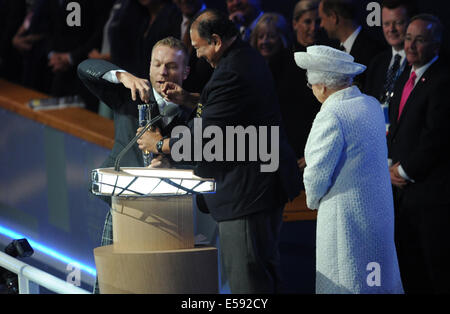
(169, 110)
(144, 111)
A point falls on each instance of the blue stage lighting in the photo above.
(48, 251)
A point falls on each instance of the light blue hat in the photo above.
(326, 59)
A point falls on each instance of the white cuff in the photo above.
(403, 174)
(111, 76)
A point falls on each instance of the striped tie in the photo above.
(390, 77)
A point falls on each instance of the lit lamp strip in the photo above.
(48, 251)
(119, 190)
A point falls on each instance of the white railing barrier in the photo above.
(27, 274)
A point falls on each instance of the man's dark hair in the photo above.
(343, 8)
(411, 9)
(212, 21)
(438, 28)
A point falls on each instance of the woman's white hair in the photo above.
(329, 79)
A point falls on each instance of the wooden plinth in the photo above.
(188, 271)
(153, 223)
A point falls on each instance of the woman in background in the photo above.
(306, 24)
(298, 107)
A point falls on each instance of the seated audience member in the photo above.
(245, 14)
(387, 66)
(298, 106)
(346, 178)
(340, 20)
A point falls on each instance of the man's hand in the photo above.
(396, 179)
(160, 162)
(95, 54)
(60, 61)
(23, 42)
(148, 140)
(237, 17)
(301, 163)
(136, 85)
(173, 92)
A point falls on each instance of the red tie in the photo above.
(406, 92)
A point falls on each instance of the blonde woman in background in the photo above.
(298, 106)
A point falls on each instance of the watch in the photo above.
(159, 146)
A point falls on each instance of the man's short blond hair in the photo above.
(174, 43)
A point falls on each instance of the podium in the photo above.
(153, 248)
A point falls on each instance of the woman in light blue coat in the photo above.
(347, 179)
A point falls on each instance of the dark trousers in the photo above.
(250, 254)
(107, 239)
(422, 242)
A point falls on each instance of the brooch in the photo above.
(199, 110)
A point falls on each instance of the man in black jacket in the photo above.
(135, 29)
(200, 71)
(123, 91)
(339, 19)
(418, 146)
(248, 202)
(74, 28)
(386, 67)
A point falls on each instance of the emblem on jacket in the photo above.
(199, 110)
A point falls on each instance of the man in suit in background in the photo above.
(70, 44)
(200, 71)
(340, 21)
(113, 86)
(245, 14)
(135, 29)
(248, 202)
(386, 67)
(419, 146)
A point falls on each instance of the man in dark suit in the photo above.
(248, 202)
(135, 29)
(113, 86)
(245, 14)
(339, 19)
(74, 29)
(386, 67)
(200, 71)
(418, 145)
